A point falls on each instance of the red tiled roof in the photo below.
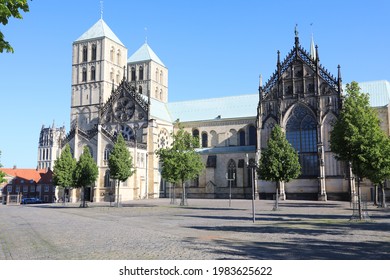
(29, 174)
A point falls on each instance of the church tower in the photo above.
(148, 73)
(49, 146)
(98, 62)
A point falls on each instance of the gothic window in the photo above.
(301, 132)
(132, 73)
(252, 135)
(232, 172)
(140, 89)
(204, 140)
(112, 54)
(93, 52)
(84, 75)
(157, 75)
(107, 152)
(93, 73)
(85, 54)
(141, 73)
(107, 179)
(118, 57)
(241, 137)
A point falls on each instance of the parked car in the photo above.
(31, 200)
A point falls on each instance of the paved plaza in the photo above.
(204, 230)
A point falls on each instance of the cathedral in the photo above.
(113, 92)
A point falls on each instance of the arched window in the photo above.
(85, 53)
(107, 152)
(93, 73)
(161, 77)
(157, 75)
(140, 89)
(112, 54)
(232, 173)
(301, 132)
(132, 73)
(84, 75)
(112, 74)
(204, 140)
(107, 179)
(252, 135)
(161, 94)
(195, 133)
(141, 73)
(156, 93)
(94, 52)
(241, 138)
(118, 57)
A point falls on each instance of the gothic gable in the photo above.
(300, 78)
(126, 111)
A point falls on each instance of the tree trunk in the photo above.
(383, 196)
(83, 197)
(183, 196)
(276, 207)
(117, 194)
(376, 193)
(359, 200)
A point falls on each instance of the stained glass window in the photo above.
(301, 132)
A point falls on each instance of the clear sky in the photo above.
(212, 48)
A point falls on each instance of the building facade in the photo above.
(115, 93)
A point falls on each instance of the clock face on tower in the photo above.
(123, 109)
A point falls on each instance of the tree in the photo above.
(357, 137)
(2, 174)
(64, 168)
(10, 8)
(180, 162)
(279, 162)
(378, 168)
(86, 172)
(120, 163)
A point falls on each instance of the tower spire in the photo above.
(101, 9)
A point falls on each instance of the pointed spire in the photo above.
(296, 35)
(339, 80)
(313, 52)
(261, 80)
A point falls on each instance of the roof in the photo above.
(159, 110)
(29, 174)
(379, 92)
(240, 106)
(144, 53)
(99, 30)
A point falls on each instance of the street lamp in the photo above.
(230, 186)
(252, 166)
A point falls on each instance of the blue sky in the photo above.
(212, 48)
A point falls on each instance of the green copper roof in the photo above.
(379, 92)
(144, 53)
(239, 106)
(99, 30)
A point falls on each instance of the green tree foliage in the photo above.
(63, 171)
(2, 174)
(120, 163)
(10, 8)
(86, 171)
(181, 162)
(357, 138)
(279, 162)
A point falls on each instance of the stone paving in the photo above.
(204, 230)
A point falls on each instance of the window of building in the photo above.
(93, 52)
(17, 189)
(204, 140)
(232, 172)
(93, 73)
(161, 77)
(32, 189)
(301, 132)
(107, 179)
(133, 74)
(25, 189)
(118, 57)
(252, 135)
(85, 54)
(112, 54)
(107, 152)
(47, 189)
(140, 89)
(241, 138)
(9, 189)
(84, 75)
(195, 133)
(141, 73)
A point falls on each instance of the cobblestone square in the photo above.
(205, 230)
